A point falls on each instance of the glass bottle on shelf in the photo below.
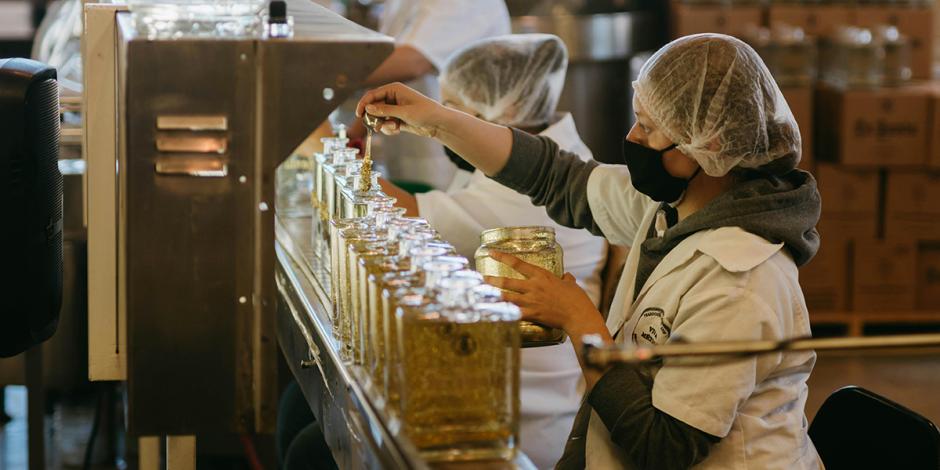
(351, 200)
(402, 301)
(380, 209)
(472, 414)
(337, 141)
(354, 244)
(400, 272)
(340, 230)
(341, 173)
(293, 187)
(359, 311)
(324, 160)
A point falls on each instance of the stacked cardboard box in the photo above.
(875, 153)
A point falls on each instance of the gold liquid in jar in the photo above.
(349, 303)
(371, 266)
(459, 384)
(534, 245)
(340, 230)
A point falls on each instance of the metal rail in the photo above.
(599, 355)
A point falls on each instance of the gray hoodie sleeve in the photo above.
(651, 438)
(551, 177)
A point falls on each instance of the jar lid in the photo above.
(517, 233)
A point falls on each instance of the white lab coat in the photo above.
(550, 376)
(437, 29)
(716, 285)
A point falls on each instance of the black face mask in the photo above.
(458, 160)
(648, 174)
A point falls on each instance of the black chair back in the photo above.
(856, 429)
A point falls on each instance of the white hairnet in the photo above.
(514, 80)
(713, 96)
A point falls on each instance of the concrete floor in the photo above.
(911, 378)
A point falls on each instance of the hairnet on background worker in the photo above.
(512, 80)
(714, 98)
(713, 257)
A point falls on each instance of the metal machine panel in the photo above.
(198, 251)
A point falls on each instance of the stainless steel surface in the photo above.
(196, 267)
(598, 90)
(354, 427)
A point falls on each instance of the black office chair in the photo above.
(856, 428)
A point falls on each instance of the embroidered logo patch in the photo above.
(651, 328)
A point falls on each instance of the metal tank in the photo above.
(601, 38)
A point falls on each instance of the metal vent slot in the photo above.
(193, 165)
(192, 144)
(192, 123)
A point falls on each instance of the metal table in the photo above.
(355, 429)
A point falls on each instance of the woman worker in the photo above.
(516, 80)
(718, 219)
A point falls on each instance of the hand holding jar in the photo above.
(546, 299)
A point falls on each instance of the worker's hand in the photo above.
(546, 299)
(402, 109)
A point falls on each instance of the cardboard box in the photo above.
(825, 279)
(850, 200)
(914, 22)
(800, 100)
(872, 127)
(933, 139)
(816, 20)
(912, 205)
(734, 20)
(928, 276)
(883, 275)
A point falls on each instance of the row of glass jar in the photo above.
(436, 348)
(851, 57)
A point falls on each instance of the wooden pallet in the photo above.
(857, 321)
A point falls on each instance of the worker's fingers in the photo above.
(526, 269)
(520, 300)
(516, 285)
(382, 94)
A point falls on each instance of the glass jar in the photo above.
(293, 187)
(369, 253)
(321, 161)
(342, 173)
(460, 376)
(853, 59)
(340, 230)
(354, 244)
(897, 55)
(534, 245)
(429, 275)
(326, 170)
(352, 199)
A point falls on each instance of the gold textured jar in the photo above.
(535, 245)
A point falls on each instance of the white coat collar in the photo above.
(733, 248)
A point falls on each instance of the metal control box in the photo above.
(201, 125)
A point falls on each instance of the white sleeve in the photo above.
(441, 27)
(617, 207)
(452, 221)
(707, 395)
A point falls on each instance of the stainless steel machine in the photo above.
(182, 137)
